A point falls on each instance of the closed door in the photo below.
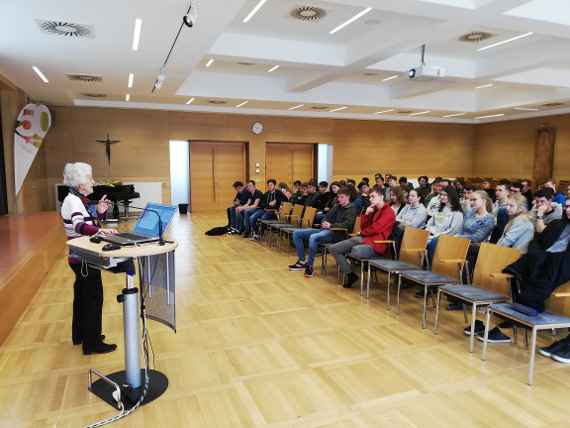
(213, 169)
(289, 162)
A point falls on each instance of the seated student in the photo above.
(433, 200)
(376, 224)
(284, 187)
(379, 181)
(544, 209)
(298, 198)
(519, 231)
(527, 192)
(312, 199)
(397, 199)
(342, 215)
(447, 220)
(539, 272)
(403, 183)
(248, 209)
(467, 192)
(236, 219)
(423, 188)
(486, 186)
(324, 196)
(296, 187)
(239, 199)
(362, 198)
(366, 180)
(558, 197)
(479, 221)
(270, 203)
(459, 187)
(501, 196)
(414, 214)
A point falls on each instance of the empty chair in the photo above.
(281, 217)
(306, 222)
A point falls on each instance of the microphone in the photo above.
(161, 240)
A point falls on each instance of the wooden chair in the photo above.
(412, 256)
(490, 285)
(290, 220)
(325, 247)
(447, 268)
(280, 217)
(306, 223)
(557, 316)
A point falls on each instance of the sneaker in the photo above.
(349, 280)
(309, 272)
(99, 348)
(254, 237)
(479, 328)
(495, 336)
(297, 267)
(563, 354)
(548, 351)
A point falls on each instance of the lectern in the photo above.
(133, 386)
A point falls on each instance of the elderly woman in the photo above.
(80, 218)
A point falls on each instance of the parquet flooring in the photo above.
(259, 346)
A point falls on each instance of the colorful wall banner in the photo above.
(33, 123)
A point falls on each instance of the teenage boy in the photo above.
(270, 203)
(545, 210)
(248, 209)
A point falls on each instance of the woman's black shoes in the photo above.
(99, 348)
(78, 341)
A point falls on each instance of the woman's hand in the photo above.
(103, 205)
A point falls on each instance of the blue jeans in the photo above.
(431, 249)
(238, 220)
(247, 219)
(260, 215)
(315, 237)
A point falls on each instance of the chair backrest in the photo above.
(284, 211)
(413, 247)
(449, 257)
(296, 213)
(357, 225)
(491, 260)
(559, 301)
(308, 217)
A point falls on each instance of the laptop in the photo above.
(146, 228)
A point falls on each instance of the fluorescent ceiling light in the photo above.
(488, 85)
(254, 11)
(526, 109)
(395, 76)
(242, 104)
(137, 34)
(384, 111)
(210, 62)
(419, 113)
(40, 74)
(491, 115)
(272, 69)
(190, 101)
(503, 42)
(455, 115)
(339, 109)
(351, 20)
(128, 97)
(296, 107)
(131, 80)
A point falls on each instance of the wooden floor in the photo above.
(259, 346)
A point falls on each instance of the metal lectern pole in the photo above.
(131, 331)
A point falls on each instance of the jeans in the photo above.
(247, 219)
(355, 248)
(431, 249)
(315, 237)
(237, 223)
(260, 215)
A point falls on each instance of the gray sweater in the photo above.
(477, 229)
(412, 216)
(445, 222)
(518, 234)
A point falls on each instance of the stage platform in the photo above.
(29, 246)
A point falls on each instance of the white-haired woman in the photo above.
(81, 217)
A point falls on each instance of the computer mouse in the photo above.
(111, 247)
(95, 239)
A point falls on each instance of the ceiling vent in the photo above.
(550, 105)
(66, 29)
(475, 37)
(86, 78)
(246, 64)
(217, 102)
(404, 111)
(308, 13)
(370, 73)
(94, 95)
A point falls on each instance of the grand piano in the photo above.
(120, 194)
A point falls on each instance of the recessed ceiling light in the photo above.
(488, 85)
(247, 64)
(370, 73)
(131, 80)
(308, 13)
(491, 115)
(395, 76)
(128, 97)
(504, 42)
(40, 74)
(455, 115)
(384, 111)
(137, 34)
(272, 69)
(351, 20)
(526, 109)
(242, 104)
(339, 109)
(296, 107)
(210, 62)
(190, 101)
(254, 11)
(419, 113)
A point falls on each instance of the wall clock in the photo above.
(257, 128)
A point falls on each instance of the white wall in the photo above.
(325, 165)
(179, 171)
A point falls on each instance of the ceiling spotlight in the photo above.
(488, 85)
(454, 115)
(272, 69)
(190, 101)
(159, 81)
(191, 17)
(296, 107)
(210, 62)
(387, 79)
(241, 104)
(338, 109)
(384, 111)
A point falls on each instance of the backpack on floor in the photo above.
(217, 231)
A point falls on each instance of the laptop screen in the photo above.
(147, 224)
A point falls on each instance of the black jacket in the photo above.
(276, 195)
(342, 217)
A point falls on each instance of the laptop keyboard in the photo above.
(131, 236)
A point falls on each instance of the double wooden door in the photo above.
(214, 167)
(289, 162)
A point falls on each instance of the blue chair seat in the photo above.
(426, 277)
(542, 319)
(388, 265)
(472, 294)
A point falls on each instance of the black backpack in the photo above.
(217, 231)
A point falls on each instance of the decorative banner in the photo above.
(32, 126)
